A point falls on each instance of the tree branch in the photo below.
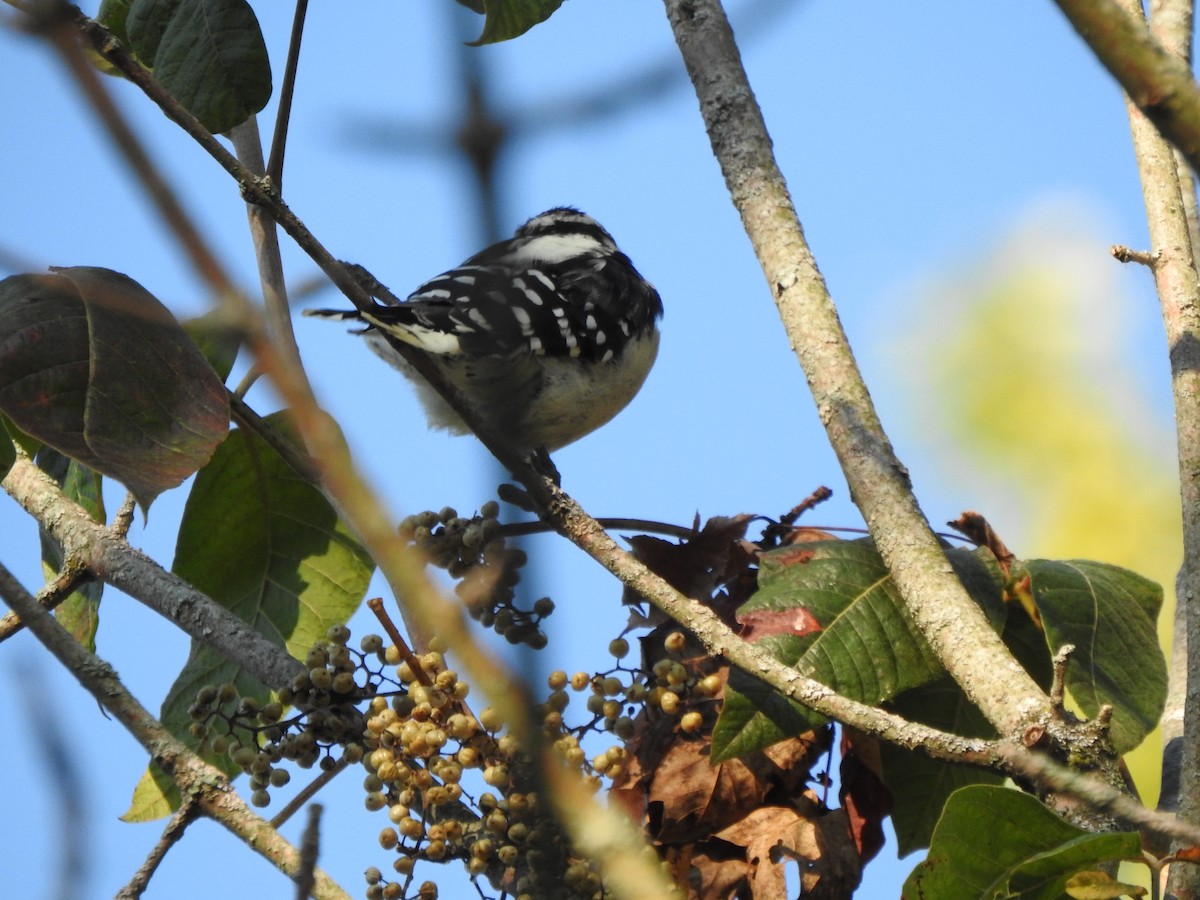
(1166, 189)
(175, 829)
(204, 784)
(1157, 81)
(952, 623)
(114, 561)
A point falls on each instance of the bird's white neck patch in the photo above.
(555, 248)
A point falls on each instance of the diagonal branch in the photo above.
(1156, 80)
(952, 623)
(112, 559)
(207, 786)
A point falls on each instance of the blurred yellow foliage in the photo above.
(1043, 391)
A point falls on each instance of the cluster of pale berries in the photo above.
(474, 551)
(304, 723)
(454, 786)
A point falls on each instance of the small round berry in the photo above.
(496, 776)
(618, 648)
(260, 798)
(675, 641)
(375, 801)
(508, 854)
(411, 828)
(490, 719)
(691, 722)
(371, 643)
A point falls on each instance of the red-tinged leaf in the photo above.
(866, 647)
(94, 366)
(864, 796)
(761, 622)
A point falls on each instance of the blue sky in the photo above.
(917, 138)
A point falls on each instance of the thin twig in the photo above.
(375, 604)
(1124, 254)
(309, 791)
(73, 575)
(176, 826)
(265, 235)
(286, 90)
(124, 517)
(1058, 683)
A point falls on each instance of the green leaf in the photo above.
(209, 54)
(19, 438)
(837, 599)
(79, 613)
(755, 715)
(94, 366)
(867, 647)
(8, 448)
(507, 19)
(112, 15)
(999, 842)
(217, 339)
(267, 545)
(1109, 614)
(920, 786)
